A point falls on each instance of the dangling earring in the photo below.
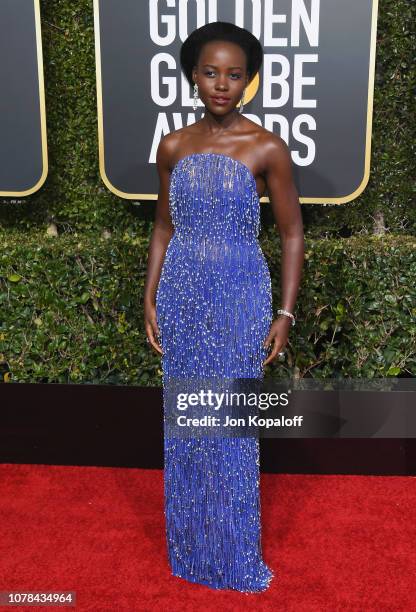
(242, 102)
(195, 96)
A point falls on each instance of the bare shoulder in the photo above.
(166, 150)
(277, 167)
(275, 152)
(270, 145)
(172, 145)
(268, 148)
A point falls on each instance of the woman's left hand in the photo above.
(279, 333)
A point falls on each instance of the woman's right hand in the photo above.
(151, 327)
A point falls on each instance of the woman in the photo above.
(208, 308)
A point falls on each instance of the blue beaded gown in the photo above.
(214, 310)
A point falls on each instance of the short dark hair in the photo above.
(220, 30)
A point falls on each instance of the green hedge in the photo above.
(76, 199)
(72, 309)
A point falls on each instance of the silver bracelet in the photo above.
(287, 314)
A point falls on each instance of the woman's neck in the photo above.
(215, 124)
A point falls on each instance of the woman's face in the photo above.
(221, 76)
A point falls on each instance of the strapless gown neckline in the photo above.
(220, 155)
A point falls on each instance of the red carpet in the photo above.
(334, 542)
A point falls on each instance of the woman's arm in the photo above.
(162, 232)
(286, 208)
